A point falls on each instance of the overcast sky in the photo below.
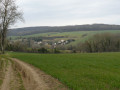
(69, 12)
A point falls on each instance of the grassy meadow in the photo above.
(95, 71)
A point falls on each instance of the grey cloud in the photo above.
(64, 12)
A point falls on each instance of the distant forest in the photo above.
(46, 29)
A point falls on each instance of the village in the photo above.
(41, 43)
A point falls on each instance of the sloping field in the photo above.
(78, 36)
(96, 71)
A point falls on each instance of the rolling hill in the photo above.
(47, 29)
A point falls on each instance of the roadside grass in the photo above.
(1, 68)
(21, 82)
(0, 73)
(96, 71)
(1, 82)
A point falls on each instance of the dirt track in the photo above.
(22, 76)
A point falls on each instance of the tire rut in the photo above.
(6, 81)
(12, 80)
(35, 79)
(19, 75)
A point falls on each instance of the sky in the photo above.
(68, 12)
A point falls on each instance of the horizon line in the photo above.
(64, 25)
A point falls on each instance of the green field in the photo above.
(71, 34)
(77, 35)
(96, 71)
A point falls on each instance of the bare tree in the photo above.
(9, 14)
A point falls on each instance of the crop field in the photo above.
(95, 71)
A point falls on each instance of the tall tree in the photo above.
(9, 14)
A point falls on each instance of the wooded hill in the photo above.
(46, 29)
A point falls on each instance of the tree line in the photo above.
(105, 42)
(22, 47)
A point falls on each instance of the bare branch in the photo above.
(9, 15)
